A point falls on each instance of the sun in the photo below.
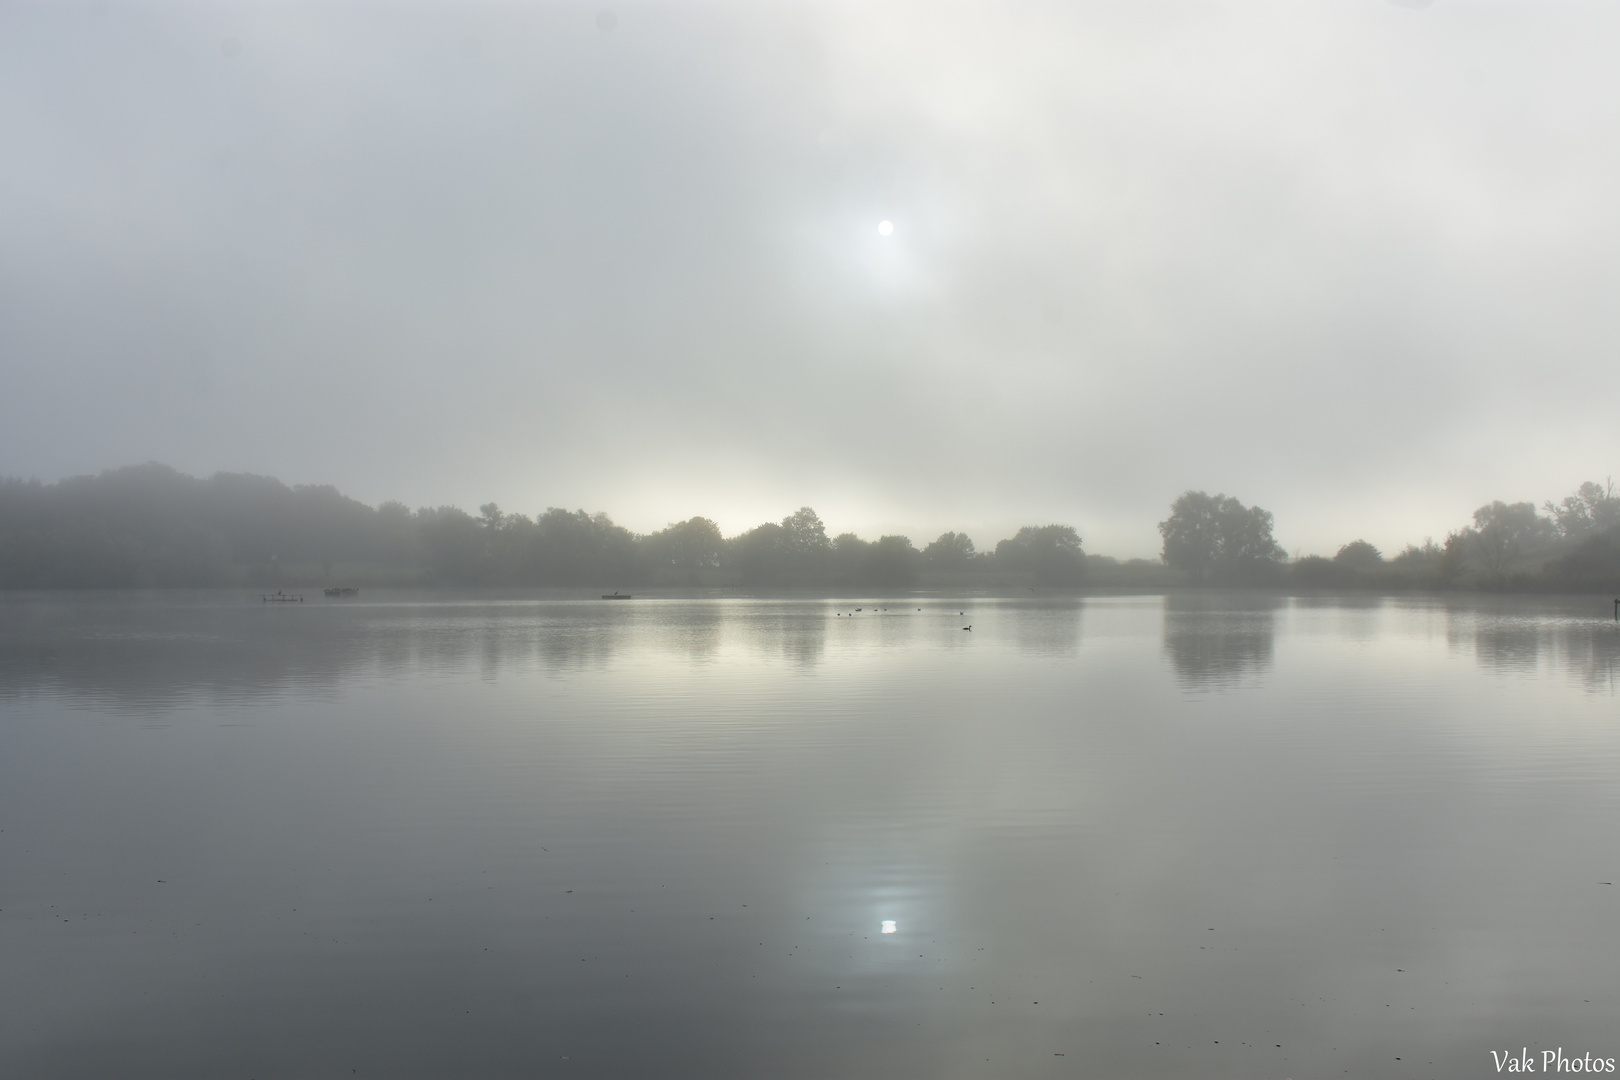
(885, 228)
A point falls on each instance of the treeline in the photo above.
(149, 525)
(1560, 546)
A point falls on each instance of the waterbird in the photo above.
(967, 627)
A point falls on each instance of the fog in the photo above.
(1348, 261)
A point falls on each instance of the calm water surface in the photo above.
(479, 836)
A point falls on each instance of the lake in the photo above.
(525, 835)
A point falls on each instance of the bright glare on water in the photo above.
(1204, 835)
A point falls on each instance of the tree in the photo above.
(761, 555)
(576, 548)
(1050, 553)
(1413, 555)
(952, 551)
(1505, 531)
(806, 536)
(1593, 507)
(1360, 556)
(792, 553)
(1593, 563)
(453, 541)
(687, 548)
(1454, 554)
(847, 561)
(892, 562)
(396, 534)
(1192, 535)
(1415, 561)
(1315, 571)
(1215, 537)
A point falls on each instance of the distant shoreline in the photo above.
(151, 526)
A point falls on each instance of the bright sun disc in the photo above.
(885, 228)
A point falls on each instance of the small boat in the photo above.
(342, 590)
(616, 595)
(279, 597)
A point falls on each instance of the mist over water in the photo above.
(504, 834)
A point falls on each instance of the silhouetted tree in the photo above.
(847, 560)
(1315, 572)
(1594, 562)
(454, 543)
(1504, 531)
(1416, 561)
(1051, 553)
(1415, 554)
(576, 548)
(892, 562)
(1454, 554)
(761, 555)
(1215, 537)
(397, 541)
(952, 551)
(687, 548)
(806, 537)
(792, 553)
(1359, 556)
(1593, 507)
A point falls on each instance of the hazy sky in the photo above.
(1355, 262)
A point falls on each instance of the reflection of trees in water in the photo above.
(1510, 646)
(1352, 616)
(795, 632)
(693, 631)
(1047, 627)
(168, 650)
(153, 653)
(1589, 653)
(1513, 636)
(1216, 640)
(164, 651)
